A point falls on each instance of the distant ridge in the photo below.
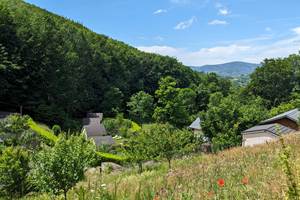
(232, 69)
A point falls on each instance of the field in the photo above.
(238, 173)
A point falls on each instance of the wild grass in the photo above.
(248, 173)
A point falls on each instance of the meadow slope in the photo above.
(248, 173)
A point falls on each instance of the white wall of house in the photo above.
(257, 138)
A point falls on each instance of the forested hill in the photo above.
(57, 69)
(231, 69)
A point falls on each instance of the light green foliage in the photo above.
(107, 157)
(175, 105)
(165, 142)
(43, 132)
(227, 117)
(14, 169)
(120, 126)
(141, 106)
(59, 168)
(138, 149)
(284, 107)
(14, 130)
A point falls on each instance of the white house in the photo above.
(272, 128)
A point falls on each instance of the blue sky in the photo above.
(196, 32)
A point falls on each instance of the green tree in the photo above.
(138, 149)
(141, 106)
(175, 105)
(227, 117)
(165, 142)
(59, 168)
(274, 81)
(14, 169)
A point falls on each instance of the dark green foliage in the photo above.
(58, 70)
(141, 106)
(174, 105)
(276, 79)
(59, 168)
(14, 169)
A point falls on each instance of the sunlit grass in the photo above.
(248, 173)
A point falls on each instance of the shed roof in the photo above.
(92, 125)
(292, 115)
(196, 124)
(275, 129)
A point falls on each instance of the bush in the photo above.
(56, 129)
(59, 168)
(14, 168)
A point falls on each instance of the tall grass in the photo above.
(239, 173)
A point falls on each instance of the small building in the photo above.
(196, 125)
(94, 129)
(264, 133)
(272, 128)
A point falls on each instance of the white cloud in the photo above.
(268, 29)
(296, 30)
(223, 11)
(218, 22)
(185, 24)
(160, 11)
(236, 51)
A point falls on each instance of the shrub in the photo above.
(56, 129)
(59, 168)
(14, 168)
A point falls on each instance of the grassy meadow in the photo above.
(238, 173)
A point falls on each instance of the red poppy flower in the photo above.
(245, 180)
(221, 182)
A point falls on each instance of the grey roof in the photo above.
(292, 115)
(276, 129)
(4, 114)
(1, 140)
(92, 125)
(196, 124)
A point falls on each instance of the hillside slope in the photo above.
(57, 69)
(248, 173)
(232, 69)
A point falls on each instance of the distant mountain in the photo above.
(232, 69)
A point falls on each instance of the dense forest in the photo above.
(58, 70)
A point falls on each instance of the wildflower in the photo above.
(221, 182)
(210, 194)
(245, 180)
(156, 197)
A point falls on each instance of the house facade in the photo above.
(272, 128)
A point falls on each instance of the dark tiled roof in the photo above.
(276, 129)
(196, 124)
(292, 115)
